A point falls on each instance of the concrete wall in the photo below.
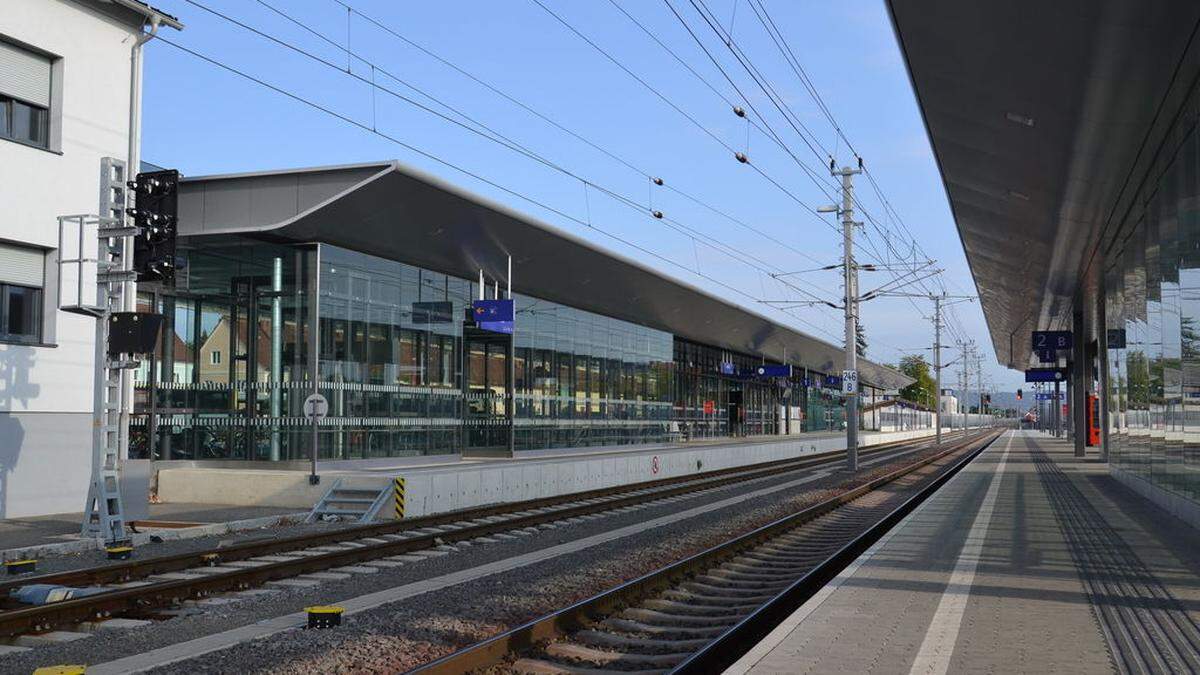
(46, 391)
(441, 488)
(1179, 506)
(41, 467)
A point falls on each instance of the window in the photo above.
(215, 357)
(22, 270)
(24, 95)
(20, 314)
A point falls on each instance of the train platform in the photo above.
(447, 482)
(1029, 560)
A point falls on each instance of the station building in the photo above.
(363, 275)
(1067, 139)
(68, 72)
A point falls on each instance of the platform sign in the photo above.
(1046, 375)
(493, 315)
(849, 381)
(773, 371)
(832, 382)
(1046, 355)
(1051, 339)
(316, 407)
(1044, 396)
(432, 312)
(727, 368)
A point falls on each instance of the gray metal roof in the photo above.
(391, 211)
(1043, 118)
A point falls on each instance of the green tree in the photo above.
(922, 390)
(860, 338)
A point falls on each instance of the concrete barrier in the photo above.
(436, 489)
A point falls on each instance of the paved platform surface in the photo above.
(35, 531)
(1028, 561)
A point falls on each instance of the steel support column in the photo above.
(1080, 374)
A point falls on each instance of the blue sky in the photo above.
(203, 119)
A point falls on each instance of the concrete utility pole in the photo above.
(850, 273)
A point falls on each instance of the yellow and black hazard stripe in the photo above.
(398, 492)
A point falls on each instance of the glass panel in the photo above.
(30, 124)
(22, 313)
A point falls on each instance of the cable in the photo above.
(472, 174)
(495, 137)
(628, 164)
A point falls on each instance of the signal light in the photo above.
(155, 212)
(1020, 395)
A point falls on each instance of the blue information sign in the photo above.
(1051, 339)
(773, 371)
(493, 315)
(727, 368)
(1046, 375)
(833, 382)
(1046, 355)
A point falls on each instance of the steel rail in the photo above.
(166, 593)
(137, 569)
(493, 651)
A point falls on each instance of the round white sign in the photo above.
(316, 407)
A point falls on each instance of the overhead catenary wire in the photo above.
(554, 123)
(490, 134)
(588, 223)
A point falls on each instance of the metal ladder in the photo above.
(359, 502)
(104, 513)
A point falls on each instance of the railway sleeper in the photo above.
(540, 667)
(773, 563)
(731, 591)
(674, 632)
(705, 599)
(714, 578)
(575, 653)
(654, 617)
(621, 641)
(758, 572)
(674, 607)
(792, 562)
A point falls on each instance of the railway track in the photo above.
(700, 614)
(141, 588)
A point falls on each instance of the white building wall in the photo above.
(46, 391)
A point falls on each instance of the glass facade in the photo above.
(1152, 310)
(404, 375)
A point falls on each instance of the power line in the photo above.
(495, 136)
(621, 160)
(740, 156)
(467, 172)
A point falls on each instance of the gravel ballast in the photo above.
(428, 625)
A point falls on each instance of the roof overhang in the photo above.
(1043, 117)
(395, 212)
(144, 11)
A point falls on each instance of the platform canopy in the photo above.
(1044, 118)
(397, 212)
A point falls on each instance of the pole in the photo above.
(315, 356)
(937, 365)
(850, 278)
(979, 383)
